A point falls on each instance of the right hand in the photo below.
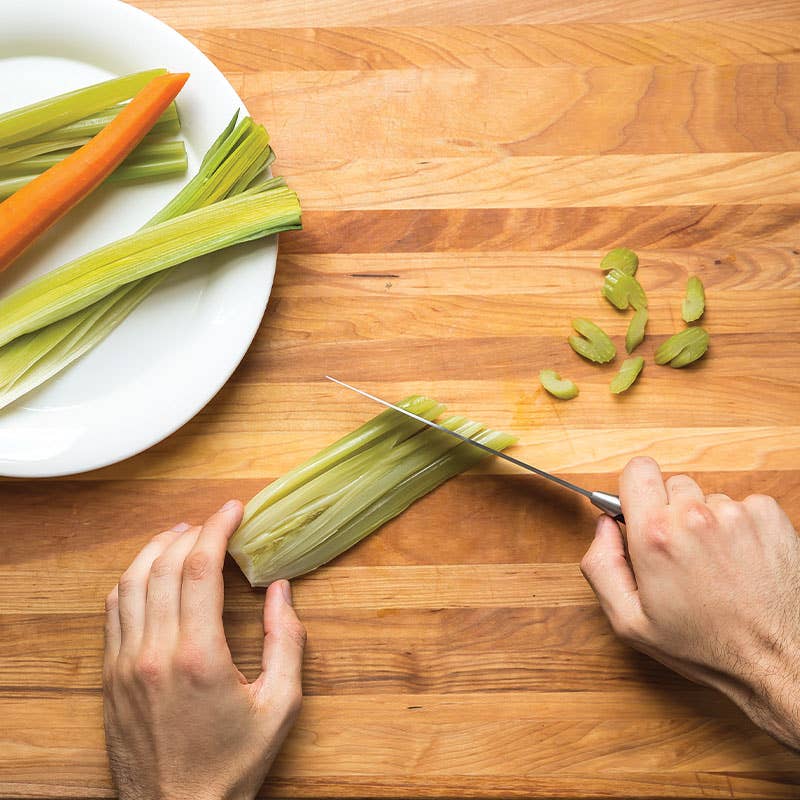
(181, 720)
(708, 586)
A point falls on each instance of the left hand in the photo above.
(181, 720)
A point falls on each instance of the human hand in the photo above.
(181, 720)
(708, 586)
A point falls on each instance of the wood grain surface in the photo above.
(463, 166)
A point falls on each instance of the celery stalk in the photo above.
(89, 278)
(145, 163)
(349, 489)
(40, 354)
(150, 149)
(55, 112)
(168, 123)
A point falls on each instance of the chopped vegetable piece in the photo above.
(64, 109)
(622, 259)
(694, 303)
(623, 290)
(628, 373)
(351, 488)
(33, 209)
(559, 387)
(683, 348)
(30, 360)
(595, 344)
(635, 333)
(89, 278)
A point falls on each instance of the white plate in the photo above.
(175, 352)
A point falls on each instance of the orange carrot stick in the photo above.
(29, 212)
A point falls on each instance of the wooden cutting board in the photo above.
(463, 166)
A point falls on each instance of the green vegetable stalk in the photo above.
(325, 506)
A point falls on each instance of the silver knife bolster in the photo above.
(608, 503)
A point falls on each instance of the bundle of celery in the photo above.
(35, 137)
(55, 319)
(325, 506)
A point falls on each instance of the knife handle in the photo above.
(608, 504)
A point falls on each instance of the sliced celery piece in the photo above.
(623, 290)
(593, 343)
(562, 388)
(55, 112)
(635, 333)
(620, 258)
(91, 277)
(628, 373)
(351, 488)
(694, 303)
(683, 348)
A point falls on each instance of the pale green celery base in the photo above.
(93, 324)
(394, 502)
(385, 472)
(350, 489)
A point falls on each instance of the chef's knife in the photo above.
(607, 503)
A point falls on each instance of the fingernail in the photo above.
(181, 527)
(286, 591)
(229, 505)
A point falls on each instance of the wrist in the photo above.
(773, 696)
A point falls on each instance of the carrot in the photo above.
(29, 212)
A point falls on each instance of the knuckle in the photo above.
(197, 565)
(162, 567)
(760, 502)
(193, 663)
(295, 631)
(149, 668)
(127, 584)
(112, 600)
(656, 531)
(593, 562)
(698, 517)
(730, 513)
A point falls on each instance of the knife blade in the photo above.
(607, 503)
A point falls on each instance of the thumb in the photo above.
(284, 643)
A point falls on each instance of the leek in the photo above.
(240, 152)
(325, 506)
